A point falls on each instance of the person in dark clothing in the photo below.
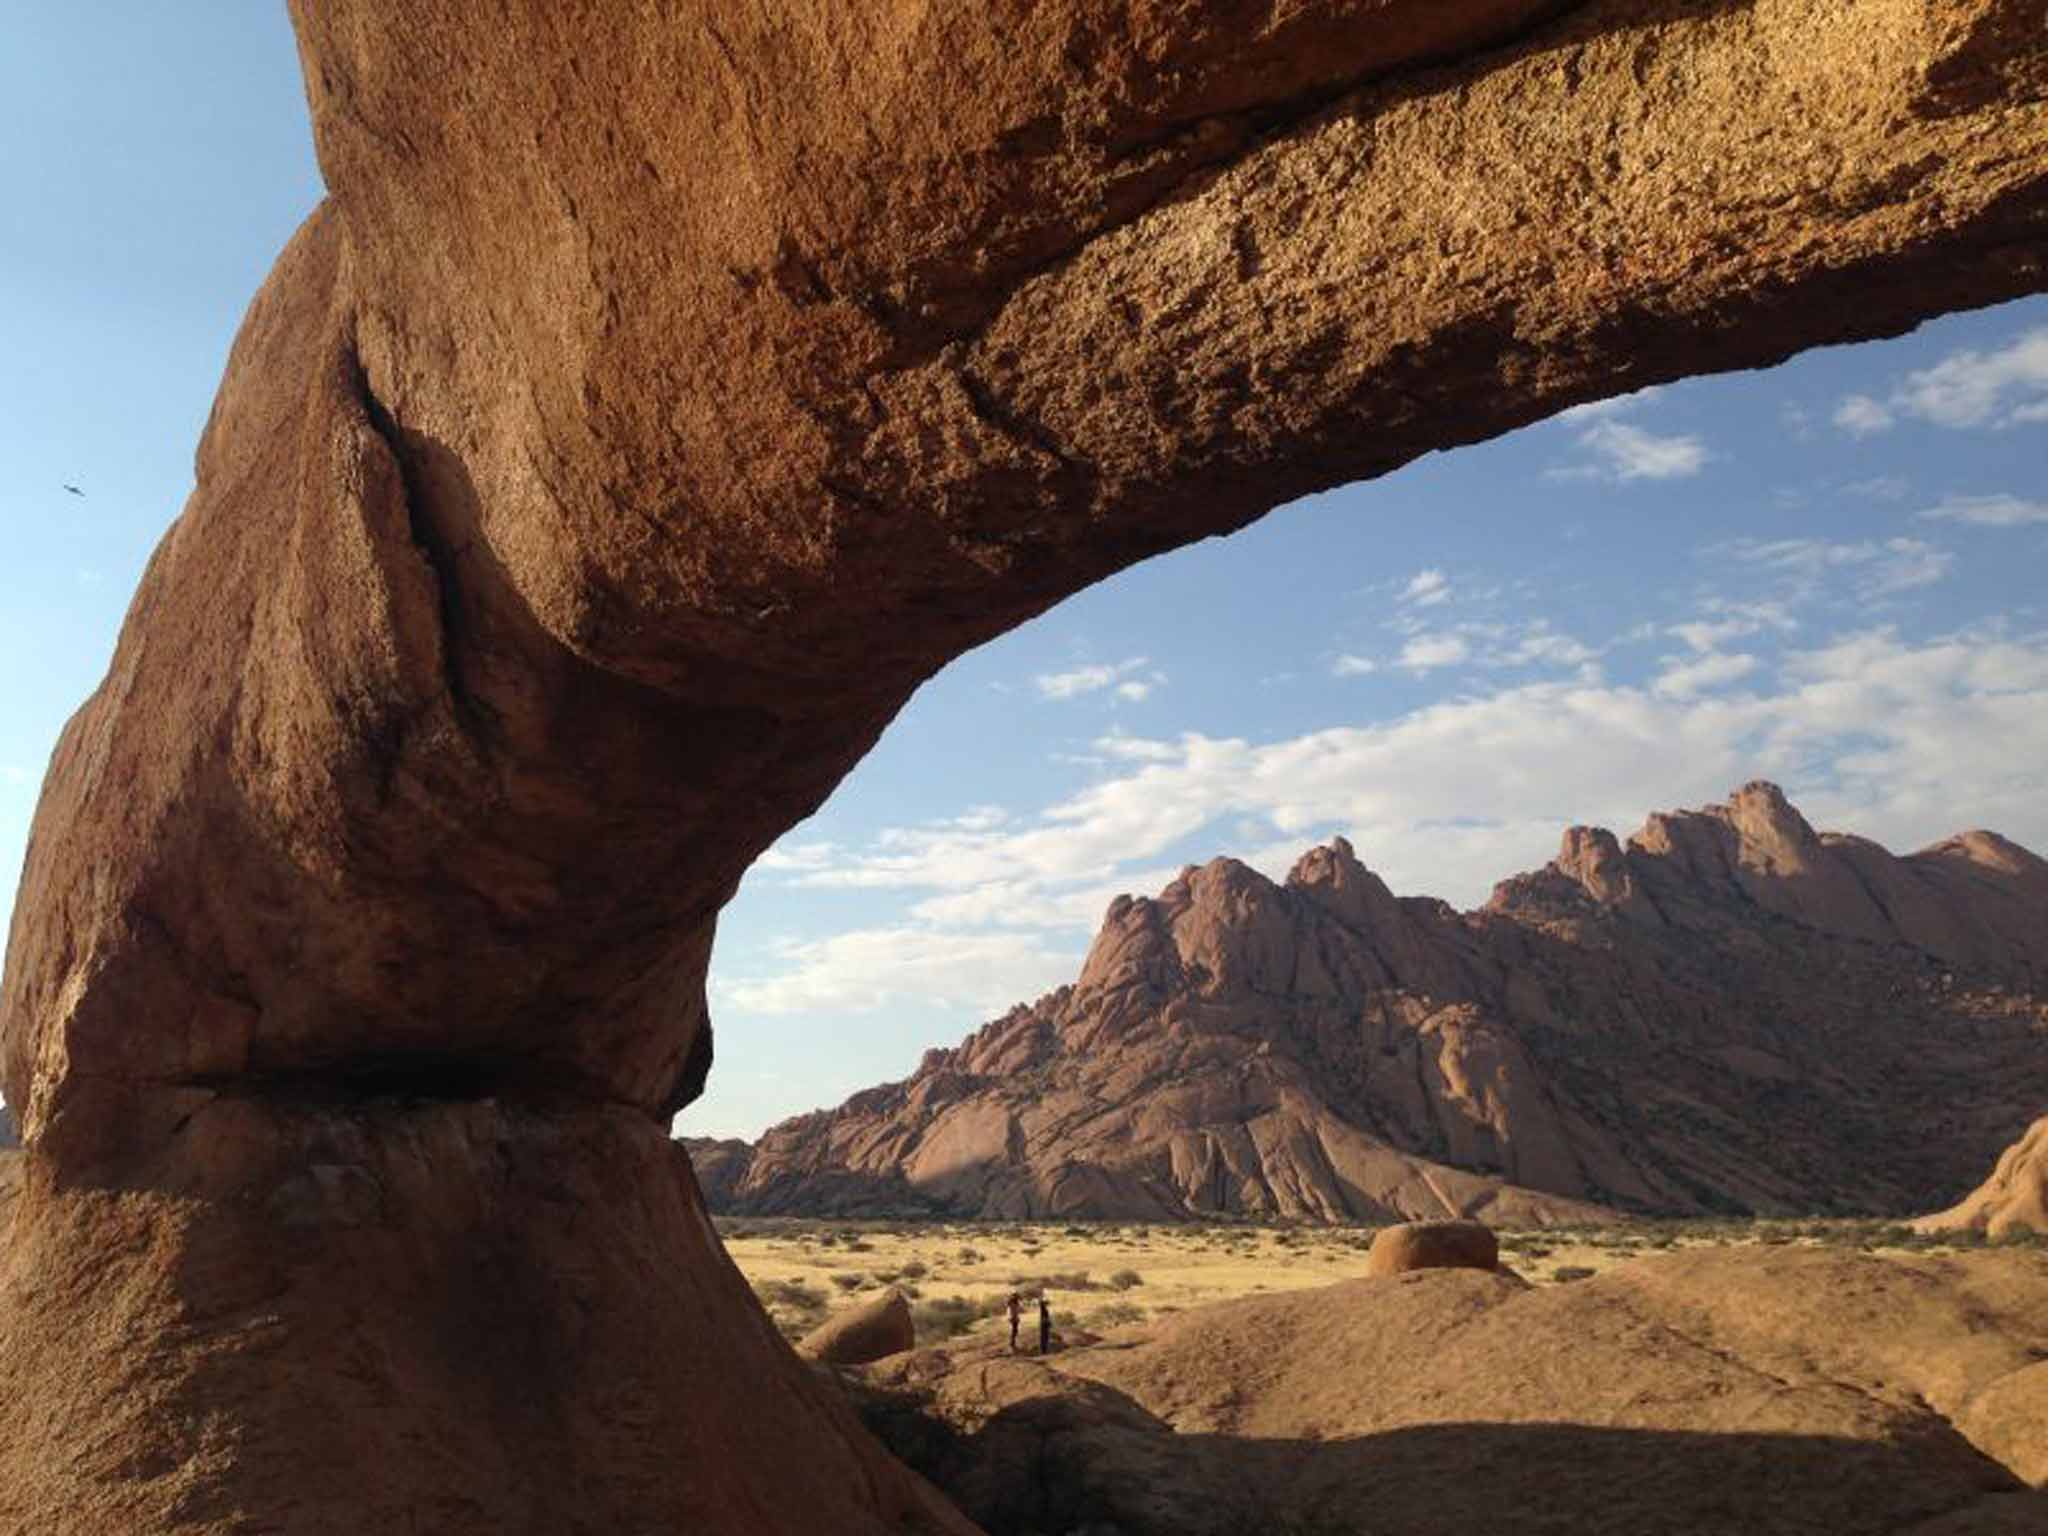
(1044, 1325)
(1016, 1317)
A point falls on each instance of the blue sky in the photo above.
(1829, 573)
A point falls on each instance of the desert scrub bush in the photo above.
(791, 1295)
(1070, 1280)
(850, 1280)
(946, 1317)
(1125, 1279)
(1117, 1314)
(914, 1270)
(968, 1255)
(1564, 1274)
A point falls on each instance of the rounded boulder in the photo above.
(1433, 1245)
(871, 1331)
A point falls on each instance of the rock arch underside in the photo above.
(661, 393)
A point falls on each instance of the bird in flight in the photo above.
(74, 490)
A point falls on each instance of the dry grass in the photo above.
(1109, 1274)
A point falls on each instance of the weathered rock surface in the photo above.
(1412, 1245)
(720, 1165)
(2013, 1199)
(860, 1334)
(468, 1319)
(1741, 1390)
(1731, 1012)
(660, 395)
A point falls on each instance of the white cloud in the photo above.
(2002, 511)
(1348, 665)
(1082, 681)
(1426, 589)
(1876, 567)
(1448, 798)
(1688, 679)
(1425, 652)
(794, 858)
(1539, 644)
(874, 968)
(1881, 488)
(1629, 452)
(1970, 389)
(2004, 388)
(1861, 416)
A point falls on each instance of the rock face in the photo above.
(2013, 1199)
(1732, 1012)
(719, 1165)
(1703, 1394)
(661, 394)
(871, 1331)
(1412, 1245)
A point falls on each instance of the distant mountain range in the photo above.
(1728, 1013)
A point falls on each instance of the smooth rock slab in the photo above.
(860, 1335)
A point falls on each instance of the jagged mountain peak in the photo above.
(1728, 1011)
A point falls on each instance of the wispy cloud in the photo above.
(2002, 511)
(2003, 388)
(1426, 589)
(869, 969)
(1623, 452)
(1688, 679)
(1863, 728)
(1426, 652)
(1348, 665)
(1861, 416)
(1117, 677)
(1877, 568)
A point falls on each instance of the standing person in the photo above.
(1044, 1323)
(1016, 1317)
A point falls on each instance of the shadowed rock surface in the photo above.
(1707, 1394)
(660, 395)
(1731, 1013)
(873, 1330)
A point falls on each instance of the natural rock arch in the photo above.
(653, 404)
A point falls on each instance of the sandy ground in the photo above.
(1099, 1276)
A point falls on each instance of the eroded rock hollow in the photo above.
(659, 396)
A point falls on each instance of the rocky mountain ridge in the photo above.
(1730, 1012)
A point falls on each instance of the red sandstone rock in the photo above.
(659, 397)
(872, 1330)
(1432, 1245)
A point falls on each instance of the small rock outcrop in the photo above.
(1432, 1245)
(1728, 1012)
(857, 1335)
(2013, 1200)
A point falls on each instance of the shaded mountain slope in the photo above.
(1730, 1012)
